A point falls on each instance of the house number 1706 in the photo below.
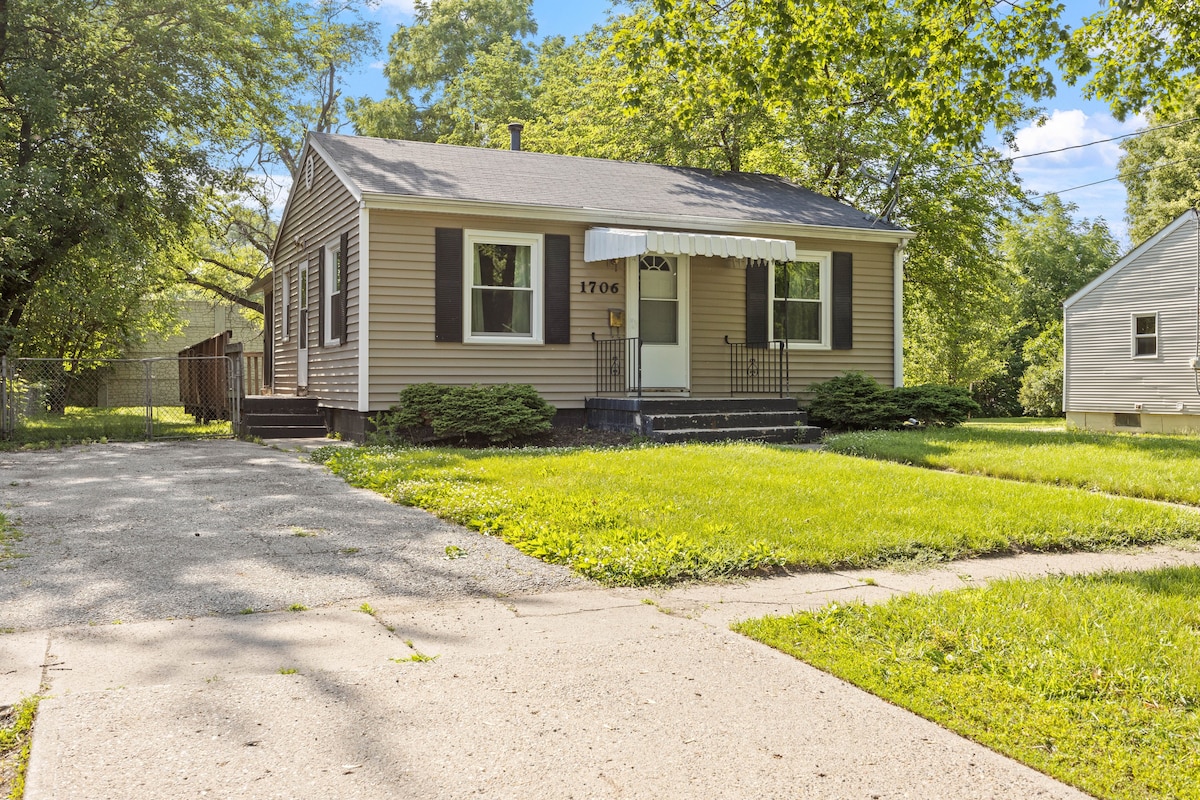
(604, 287)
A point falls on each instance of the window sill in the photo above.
(500, 340)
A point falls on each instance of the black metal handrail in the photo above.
(759, 367)
(618, 365)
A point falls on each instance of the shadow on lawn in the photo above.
(920, 446)
(1182, 582)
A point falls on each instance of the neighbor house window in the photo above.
(1145, 335)
(503, 293)
(800, 299)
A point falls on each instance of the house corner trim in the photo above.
(364, 303)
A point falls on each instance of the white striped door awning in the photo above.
(601, 244)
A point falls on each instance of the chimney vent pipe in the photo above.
(514, 132)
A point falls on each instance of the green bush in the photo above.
(933, 404)
(855, 401)
(476, 414)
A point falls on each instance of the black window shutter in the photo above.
(843, 301)
(344, 289)
(448, 284)
(320, 296)
(758, 276)
(558, 289)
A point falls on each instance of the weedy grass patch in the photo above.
(16, 734)
(9, 536)
(647, 515)
(1156, 467)
(79, 425)
(1094, 680)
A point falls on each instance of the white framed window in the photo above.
(1145, 335)
(801, 299)
(285, 306)
(502, 287)
(334, 283)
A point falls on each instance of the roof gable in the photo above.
(388, 168)
(1131, 257)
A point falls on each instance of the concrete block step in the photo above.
(276, 404)
(285, 431)
(716, 405)
(786, 434)
(260, 419)
(747, 419)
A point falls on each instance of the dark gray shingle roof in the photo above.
(438, 171)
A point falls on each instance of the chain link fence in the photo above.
(53, 400)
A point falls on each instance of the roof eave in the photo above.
(599, 216)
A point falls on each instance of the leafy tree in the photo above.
(1140, 54)
(1053, 256)
(954, 68)
(1049, 255)
(228, 243)
(1042, 383)
(112, 114)
(427, 62)
(1161, 170)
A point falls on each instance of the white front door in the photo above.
(658, 313)
(302, 326)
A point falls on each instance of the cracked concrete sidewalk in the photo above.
(529, 686)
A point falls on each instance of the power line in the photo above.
(1088, 144)
(1117, 177)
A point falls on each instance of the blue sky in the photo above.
(1069, 118)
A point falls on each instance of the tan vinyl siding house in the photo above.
(466, 265)
(1132, 338)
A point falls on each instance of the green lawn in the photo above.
(1024, 423)
(1158, 467)
(1093, 680)
(128, 423)
(658, 514)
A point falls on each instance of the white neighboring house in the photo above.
(1131, 358)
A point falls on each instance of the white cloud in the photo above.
(392, 7)
(378, 64)
(1069, 171)
(1070, 128)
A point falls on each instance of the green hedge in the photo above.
(855, 401)
(474, 414)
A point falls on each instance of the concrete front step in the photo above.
(786, 434)
(280, 417)
(285, 431)
(278, 404)
(256, 419)
(747, 419)
(692, 405)
(766, 419)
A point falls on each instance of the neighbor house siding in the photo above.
(318, 215)
(1101, 373)
(402, 347)
(718, 310)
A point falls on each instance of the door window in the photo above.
(658, 304)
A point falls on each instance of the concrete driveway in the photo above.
(526, 681)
